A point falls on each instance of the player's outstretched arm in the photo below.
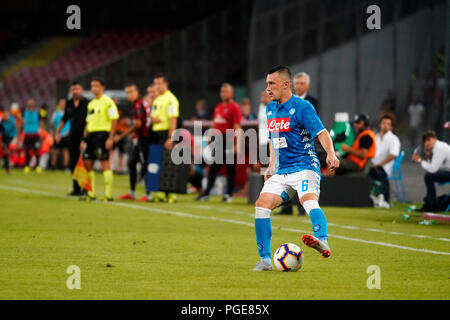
(327, 144)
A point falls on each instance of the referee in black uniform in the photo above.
(76, 111)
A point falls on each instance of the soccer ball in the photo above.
(288, 257)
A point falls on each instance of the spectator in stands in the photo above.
(435, 108)
(436, 165)
(301, 86)
(246, 110)
(75, 113)
(8, 132)
(63, 143)
(387, 149)
(416, 87)
(302, 82)
(201, 110)
(227, 115)
(388, 105)
(361, 151)
(416, 114)
(31, 123)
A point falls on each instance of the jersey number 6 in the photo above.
(304, 185)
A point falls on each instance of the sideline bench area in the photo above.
(436, 216)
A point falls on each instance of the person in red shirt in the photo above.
(140, 114)
(227, 115)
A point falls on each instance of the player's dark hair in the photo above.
(387, 116)
(428, 134)
(281, 69)
(132, 84)
(160, 75)
(99, 80)
(76, 83)
(364, 117)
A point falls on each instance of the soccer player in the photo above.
(294, 167)
(164, 116)
(141, 123)
(8, 132)
(101, 121)
(75, 113)
(31, 124)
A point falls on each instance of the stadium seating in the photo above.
(38, 79)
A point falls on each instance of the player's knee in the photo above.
(260, 202)
(265, 201)
(309, 205)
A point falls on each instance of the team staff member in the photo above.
(32, 122)
(75, 112)
(362, 150)
(140, 114)
(164, 116)
(437, 167)
(101, 122)
(227, 115)
(7, 131)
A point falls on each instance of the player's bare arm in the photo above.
(173, 125)
(58, 131)
(272, 163)
(361, 153)
(136, 126)
(327, 144)
(83, 142)
(110, 141)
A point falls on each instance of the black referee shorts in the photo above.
(158, 137)
(96, 149)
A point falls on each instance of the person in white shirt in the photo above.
(263, 130)
(388, 148)
(437, 166)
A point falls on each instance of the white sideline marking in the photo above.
(274, 217)
(330, 224)
(188, 215)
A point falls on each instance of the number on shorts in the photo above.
(304, 185)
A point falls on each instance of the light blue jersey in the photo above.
(293, 126)
(9, 128)
(31, 118)
(57, 117)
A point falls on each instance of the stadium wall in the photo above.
(358, 75)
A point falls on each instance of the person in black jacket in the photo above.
(76, 111)
(301, 87)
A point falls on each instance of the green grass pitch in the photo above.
(191, 250)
